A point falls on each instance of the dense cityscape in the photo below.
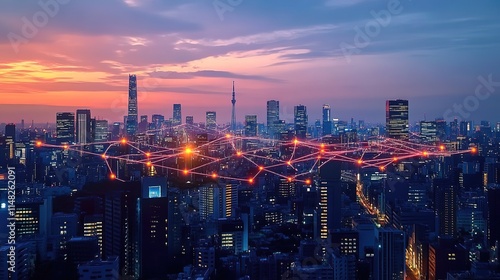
(249, 139)
(172, 198)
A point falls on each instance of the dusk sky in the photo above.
(189, 52)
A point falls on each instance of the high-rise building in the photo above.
(211, 120)
(101, 131)
(251, 125)
(132, 121)
(396, 119)
(211, 202)
(190, 120)
(233, 112)
(300, 121)
(428, 131)
(10, 139)
(327, 120)
(330, 192)
(445, 205)
(92, 226)
(83, 127)
(493, 210)
(177, 117)
(273, 117)
(65, 127)
(152, 217)
(390, 254)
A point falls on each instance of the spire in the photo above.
(233, 115)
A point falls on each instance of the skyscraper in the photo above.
(152, 215)
(101, 131)
(390, 254)
(273, 117)
(251, 125)
(177, 118)
(300, 121)
(83, 126)
(65, 127)
(330, 192)
(428, 131)
(233, 113)
(445, 204)
(327, 120)
(132, 121)
(10, 139)
(211, 122)
(396, 119)
(190, 120)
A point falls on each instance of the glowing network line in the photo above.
(377, 152)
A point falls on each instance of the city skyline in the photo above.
(421, 55)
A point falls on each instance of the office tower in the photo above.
(63, 228)
(10, 139)
(190, 120)
(82, 249)
(119, 231)
(116, 131)
(493, 210)
(101, 131)
(273, 117)
(152, 217)
(441, 129)
(65, 127)
(158, 121)
(428, 131)
(330, 193)
(177, 117)
(92, 226)
(233, 112)
(251, 125)
(445, 206)
(233, 235)
(143, 124)
(318, 129)
(211, 120)
(231, 199)
(390, 254)
(396, 119)
(132, 122)
(327, 120)
(83, 127)
(300, 121)
(211, 202)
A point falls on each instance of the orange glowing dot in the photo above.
(148, 154)
(38, 143)
(103, 156)
(360, 161)
(382, 168)
(65, 147)
(112, 176)
(394, 159)
(228, 135)
(123, 141)
(238, 153)
(322, 146)
(188, 151)
(148, 163)
(425, 153)
(319, 157)
(442, 147)
(473, 149)
(308, 182)
(214, 175)
(250, 180)
(185, 171)
(289, 179)
(295, 141)
(289, 162)
(261, 168)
